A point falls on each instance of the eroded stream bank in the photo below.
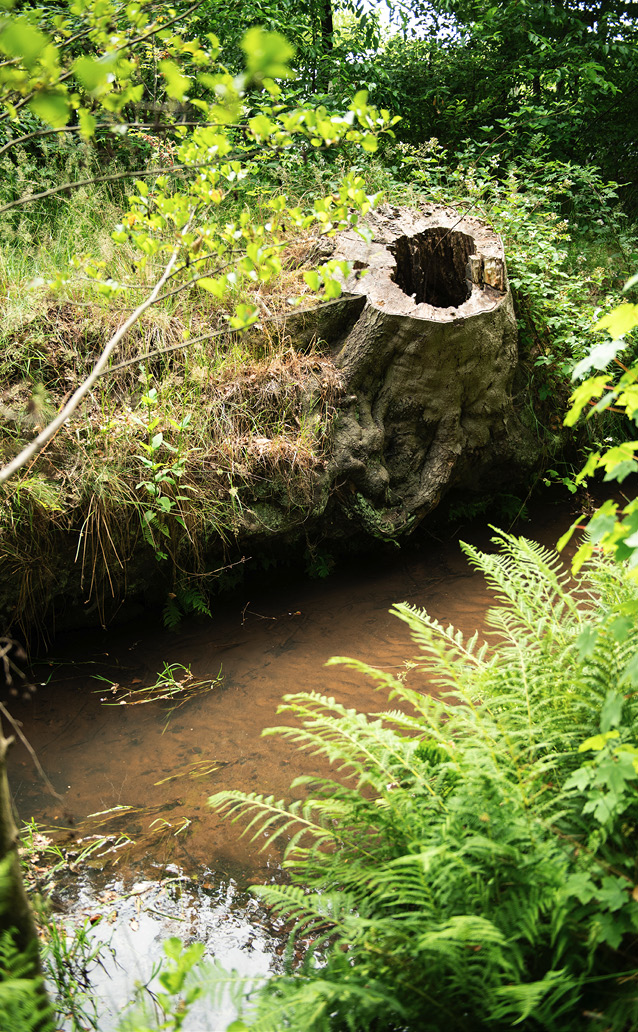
(159, 766)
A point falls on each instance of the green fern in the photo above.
(470, 867)
(23, 1006)
(185, 600)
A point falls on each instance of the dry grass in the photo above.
(245, 423)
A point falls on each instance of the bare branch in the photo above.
(227, 331)
(165, 351)
(139, 173)
(156, 126)
(45, 436)
(27, 744)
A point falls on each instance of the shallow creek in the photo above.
(188, 871)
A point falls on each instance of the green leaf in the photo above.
(609, 930)
(597, 742)
(621, 471)
(613, 894)
(176, 83)
(611, 713)
(173, 947)
(360, 102)
(52, 106)
(598, 358)
(93, 72)
(579, 779)
(245, 315)
(620, 321)
(267, 54)
(213, 286)
(630, 673)
(260, 125)
(313, 279)
(583, 394)
(87, 122)
(581, 886)
(567, 536)
(590, 467)
(621, 628)
(586, 641)
(332, 288)
(19, 38)
(602, 523)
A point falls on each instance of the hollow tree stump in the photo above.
(428, 368)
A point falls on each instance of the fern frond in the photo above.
(324, 1002)
(529, 578)
(23, 1005)
(461, 869)
(449, 655)
(368, 750)
(271, 818)
(314, 914)
(516, 1002)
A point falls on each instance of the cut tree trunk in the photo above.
(428, 368)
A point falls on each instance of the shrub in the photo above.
(473, 866)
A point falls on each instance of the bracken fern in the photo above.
(473, 866)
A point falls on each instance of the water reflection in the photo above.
(133, 918)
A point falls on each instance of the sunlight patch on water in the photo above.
(133, 920)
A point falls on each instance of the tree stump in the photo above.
(428, 368)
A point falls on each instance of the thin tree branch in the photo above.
(45, 436)
(195, 279)
(157, 126)
(175, 272)
(66, 43)
(165, 351)
(159, 27)
(204, 275)
(102, 179)
(27, 744)
(139, 173)
(227, 330)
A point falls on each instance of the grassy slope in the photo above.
(245, 421)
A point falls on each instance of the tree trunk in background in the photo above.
(324, 43)
(327, 27)
(16, 915)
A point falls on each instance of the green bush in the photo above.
(473, 867)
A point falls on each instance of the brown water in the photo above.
(159, 762)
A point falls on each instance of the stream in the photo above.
(139, 775)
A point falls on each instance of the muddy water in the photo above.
(160, 765)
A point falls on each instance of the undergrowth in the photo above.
(179, 452)
(470, 866)
(169, 458)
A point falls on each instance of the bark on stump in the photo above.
(428, 368)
